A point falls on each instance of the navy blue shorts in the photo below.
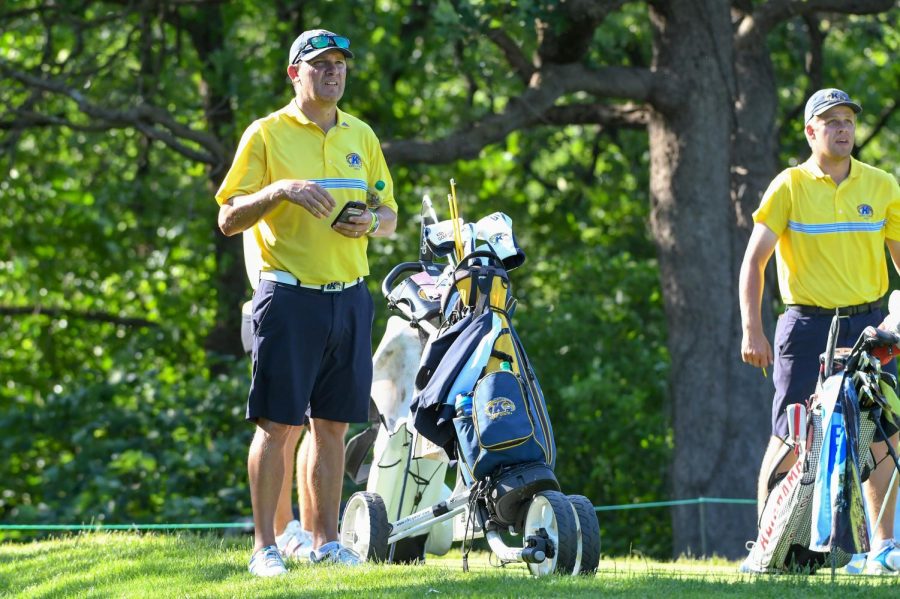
(311, 350)
(799, 341)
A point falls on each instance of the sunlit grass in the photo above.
(193, 565)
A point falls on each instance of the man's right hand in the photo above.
(308, 194)
(756, 349)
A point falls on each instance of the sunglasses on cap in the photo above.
(317, 42)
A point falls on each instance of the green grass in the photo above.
(194, 565)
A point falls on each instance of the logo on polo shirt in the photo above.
(865, 211)
(354, 160)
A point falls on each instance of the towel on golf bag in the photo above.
(839, 518)
(445, 355)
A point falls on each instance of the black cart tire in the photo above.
(588, 558)
(365, 528)
(551, 515)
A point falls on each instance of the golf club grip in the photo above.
(881, 337)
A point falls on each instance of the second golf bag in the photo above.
(814, 513)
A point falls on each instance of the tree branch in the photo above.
(625, 115)
(23, 119)
(514, 55)
(814, 62)
(90, 315)
(883, 119)
(773, 12)
(152, 121)
(570, 43)
(528, 109)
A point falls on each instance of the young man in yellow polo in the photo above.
(827, 221)
(312, 314)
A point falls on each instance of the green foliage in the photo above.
(139, 446)
(856, 59)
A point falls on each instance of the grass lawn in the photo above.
(196, 565)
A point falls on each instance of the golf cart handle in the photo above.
(388, 283)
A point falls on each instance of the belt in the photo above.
(846, 311)
(280, 276)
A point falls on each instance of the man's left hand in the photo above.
(356, 227)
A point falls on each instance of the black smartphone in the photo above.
(349, 209)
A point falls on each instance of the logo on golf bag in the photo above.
(497, 238)
(500, 407)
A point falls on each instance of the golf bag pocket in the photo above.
(503, 431)
(468, 444)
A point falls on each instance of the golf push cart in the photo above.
(476, 405)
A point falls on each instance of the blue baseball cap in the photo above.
(824, 99)
(310, 44)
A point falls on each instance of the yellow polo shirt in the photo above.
(830, 251)
(345, 161)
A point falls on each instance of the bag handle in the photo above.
(494, 261)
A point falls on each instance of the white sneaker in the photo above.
(294, 542)
(885, 560)
(267, 562)
(335, 553)
(289, 531)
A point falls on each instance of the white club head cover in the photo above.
(439, 237)
(892, 321)
(496, 230)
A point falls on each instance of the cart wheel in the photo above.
(588, 557)
(365, 528)
(551, 516)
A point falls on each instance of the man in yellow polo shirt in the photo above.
(312, 314)
(827, 221)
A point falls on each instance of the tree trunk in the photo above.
(231, 279)
(716, 428)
